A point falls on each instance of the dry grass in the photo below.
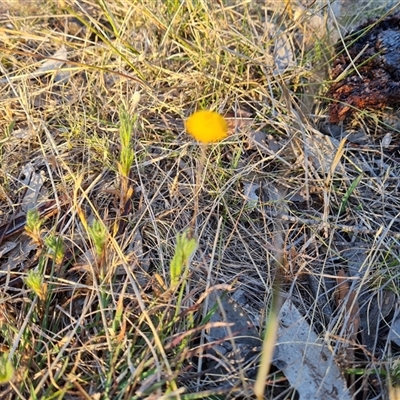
(87, 308)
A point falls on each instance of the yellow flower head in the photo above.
(207, 126)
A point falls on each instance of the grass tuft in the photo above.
(118, 230)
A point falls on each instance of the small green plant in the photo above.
(98, 234)
(125, 161)
(55, 248)
(33, 224)
(35, 282)
(393, 381)
(184, 250)
(6, 369)
(127, 154)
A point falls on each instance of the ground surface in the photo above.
(100, 187)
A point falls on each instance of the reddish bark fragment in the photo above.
(376, 52)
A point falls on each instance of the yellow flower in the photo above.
(207, 126)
